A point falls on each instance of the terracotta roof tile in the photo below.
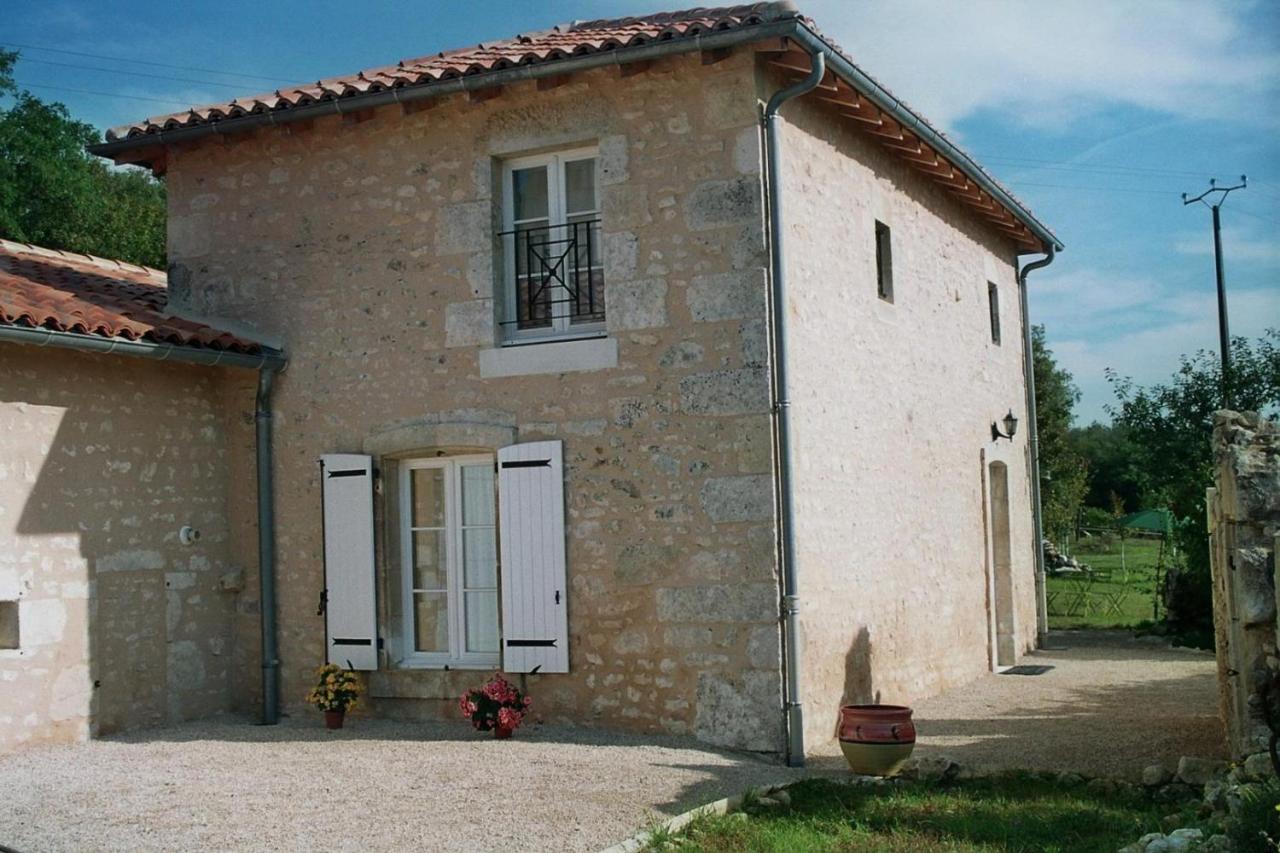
(578, 38)
(69, 292)
(591, 37)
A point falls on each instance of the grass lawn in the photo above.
(1008, 813)
(1137, 586)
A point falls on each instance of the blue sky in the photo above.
(1096, 114)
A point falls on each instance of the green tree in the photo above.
(1063, 476)
(1117, 481)
(54, 194)
(1170, 426)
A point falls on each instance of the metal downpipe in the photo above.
(267, 551)
(782, 409)
(1033, 434)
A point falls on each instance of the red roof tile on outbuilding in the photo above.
(82, 294)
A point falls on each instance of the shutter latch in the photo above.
(324, 602)
(557, 596)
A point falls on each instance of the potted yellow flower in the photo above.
(336, 690)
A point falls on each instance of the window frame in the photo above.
(884, 261)
(457, 656)
(993, 310)
(555, 161)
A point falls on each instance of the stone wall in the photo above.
(893, 404)
(1244, 523)
(118, 624)
(366, 247)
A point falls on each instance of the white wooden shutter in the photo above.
(351, 622)
(535, 624)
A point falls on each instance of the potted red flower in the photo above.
(498, 706)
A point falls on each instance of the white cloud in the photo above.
(1239, 243)
(1097, 320)
(1052, 63)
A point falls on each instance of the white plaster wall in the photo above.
(892, 406)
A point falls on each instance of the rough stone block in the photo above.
(727, 296)
(718, 603)
(468, 324)
(715, 204)
(739, 712)
(465, 227)
(1198, 771)
(621, 256)
(613, 160)
(643, 562)
(638, 304)
(747, 497)
(725, 392)
(1255, 586)
(683, 354)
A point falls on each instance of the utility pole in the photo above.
(1224, 337)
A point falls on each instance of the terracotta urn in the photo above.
(501, 732)
(876, 739)
(333, 719)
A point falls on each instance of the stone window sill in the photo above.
(549, 357)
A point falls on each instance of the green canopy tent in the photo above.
(1149, 520)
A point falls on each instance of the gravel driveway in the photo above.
(1109, 705)
(377, 785)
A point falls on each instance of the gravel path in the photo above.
(1111, 705)
(226, 784)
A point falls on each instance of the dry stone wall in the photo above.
(1244, 526)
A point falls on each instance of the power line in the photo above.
(236, 86)
(100, 94)
(1086, 166)
(1095, 189)
(275, 80)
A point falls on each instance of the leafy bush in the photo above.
(1256, 828)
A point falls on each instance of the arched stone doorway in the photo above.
(1001, 565)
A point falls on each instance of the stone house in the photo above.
(556, 401)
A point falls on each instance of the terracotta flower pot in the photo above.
(502, 732)
(333, 719)
(876, 739)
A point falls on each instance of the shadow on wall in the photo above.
(125, 625)
(857, 676)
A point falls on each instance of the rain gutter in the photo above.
(782, 410)
(1033, 435)
(268, 363)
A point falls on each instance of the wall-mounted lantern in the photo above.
(1010, 428)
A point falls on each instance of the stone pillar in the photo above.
(1244, 526)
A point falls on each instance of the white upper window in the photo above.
(450, 561)
(554, 268)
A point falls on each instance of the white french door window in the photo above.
(551, 242)
(450, 561)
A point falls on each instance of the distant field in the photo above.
(1073, 604)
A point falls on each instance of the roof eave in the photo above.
(795, 28)
(266, 358)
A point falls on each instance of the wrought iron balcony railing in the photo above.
(556, 275)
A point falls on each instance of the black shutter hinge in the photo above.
(324, 602)
(557, 596)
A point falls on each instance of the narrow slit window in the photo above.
(993, 306)
(884, 263)
(10, 636)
